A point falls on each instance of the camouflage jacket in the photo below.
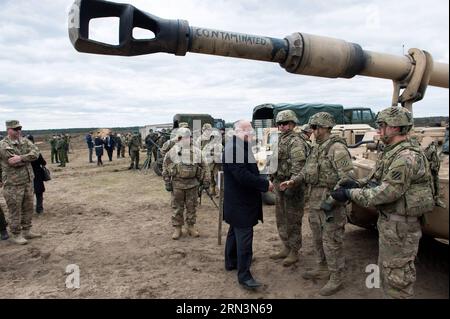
(404, 182)
(61, 144)
(135, 143)
(185, 167)
(167, 146)
(328, 163)
(21, 173)
(53, 143)
(212, 152)
(292, 154)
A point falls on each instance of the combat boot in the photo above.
(333, 285)
(192, 231)
(17, 239)
(291, 259)
(27, 234)
(176, 233)
(321, 272)
(282, 254)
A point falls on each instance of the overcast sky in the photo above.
(45, 83)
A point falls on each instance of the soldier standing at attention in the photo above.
(183, 171)
(61, 147)
(292, 153)
(328, 163)
(16, 155)
(54, 151)
(402, 194)
(134, 146)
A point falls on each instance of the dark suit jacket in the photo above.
(110, 143)
(243, 186)
(39, 186)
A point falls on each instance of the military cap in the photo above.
(183, 124)
(13, 124)
(183, 132)
(306, 128)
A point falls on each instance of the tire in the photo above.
(269, 198)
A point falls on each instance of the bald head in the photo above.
(243, 130)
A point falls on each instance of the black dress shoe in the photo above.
(250, 284)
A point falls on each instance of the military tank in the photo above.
(298, 53)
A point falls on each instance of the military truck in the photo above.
(195, 121)
(298, 53)
(264, 115)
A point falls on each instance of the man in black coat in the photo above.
(242, 202)
(110, 145)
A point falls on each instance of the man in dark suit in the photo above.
(242, 202)
(110, 145)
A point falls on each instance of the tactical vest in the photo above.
(190, 170)
(320, 170)
(284, 170)
(418, 198)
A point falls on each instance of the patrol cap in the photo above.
(184, 124)
(13, 124)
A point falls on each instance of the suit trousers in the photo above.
(239, 251)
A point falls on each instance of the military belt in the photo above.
(399, 218)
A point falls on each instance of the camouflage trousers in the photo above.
(289, 211)
(328, 237)
(182, 198)
(62, 156)
(134, 159)
(19, 200)
(398, 247)
(214, 169)
(54, 155)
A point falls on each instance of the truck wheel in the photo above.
(269, 198)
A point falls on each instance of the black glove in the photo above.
(341, 195)
(169, 187)
(349, 184)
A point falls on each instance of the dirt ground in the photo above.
(115, 225)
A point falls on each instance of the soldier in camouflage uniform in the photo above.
(61, 147)
(54, 151)
(431, 152)
(292, 153)
(400, 188)
(16, 153)
(305, 134)
(212, 153)
(172, 141)
(134, 145)
(328, 164)
(123, 141)
(183, 171)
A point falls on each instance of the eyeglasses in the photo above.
(314, 127)
(17, 129)
(283, 123)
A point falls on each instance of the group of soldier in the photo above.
(59, 145)
(322, 173)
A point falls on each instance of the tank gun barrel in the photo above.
(299, 53)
